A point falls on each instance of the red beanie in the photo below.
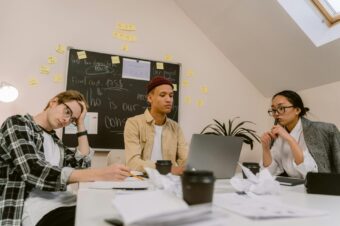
(157, 81)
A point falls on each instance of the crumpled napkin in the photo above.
(169, 182)
(261, 184)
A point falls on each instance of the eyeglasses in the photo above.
(278, 110)
(68, 114)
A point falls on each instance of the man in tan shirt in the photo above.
(152, 136)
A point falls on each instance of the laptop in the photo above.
(218, 154)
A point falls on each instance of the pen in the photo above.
(129, 189)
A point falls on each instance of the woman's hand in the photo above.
(80, 120)
(266, 140)
(278, 130)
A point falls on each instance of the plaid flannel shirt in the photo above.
(23, 166)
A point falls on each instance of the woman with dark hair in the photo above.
(296, 145)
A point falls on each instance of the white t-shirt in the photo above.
(156, 153)
(39, 203)
(283, 159)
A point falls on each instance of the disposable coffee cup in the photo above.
(197, 186)
(163, 166)
(254, 167)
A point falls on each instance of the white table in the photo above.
(93, 206)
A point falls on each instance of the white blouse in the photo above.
(283, 159)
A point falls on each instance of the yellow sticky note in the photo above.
(60, 49)
(167, 57)
(160, 65)
(200, 103)
(204, 89)
(81, 55)
(185, 83)
(126, 27)
(131, 38)
(44, 70)
(57, 78)
(187, 100)
(33, 82)
(175, 87)
(115, 60)
(189, 73)
(52, 60)
(125, 47)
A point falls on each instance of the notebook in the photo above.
(219, 154)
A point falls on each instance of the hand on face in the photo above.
(80, 120)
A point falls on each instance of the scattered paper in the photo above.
(115, 60)
(81, 55)
(256, 208)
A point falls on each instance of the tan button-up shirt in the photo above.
(139, 135)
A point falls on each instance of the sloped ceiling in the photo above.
(265, 44)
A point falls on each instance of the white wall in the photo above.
(30, 31)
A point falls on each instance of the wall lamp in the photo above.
(8, 93)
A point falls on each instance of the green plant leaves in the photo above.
(249, 136)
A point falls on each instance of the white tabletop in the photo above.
(93, 206)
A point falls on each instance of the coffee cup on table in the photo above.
(197, 186)
(163, 166)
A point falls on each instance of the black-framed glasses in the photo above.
(68, 114)
(278, 110)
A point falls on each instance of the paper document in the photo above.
(141, 205)
(128, 183)
(257, 208)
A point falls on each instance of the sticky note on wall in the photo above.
(58, 78)
(44, 70)
(33, 81)
(115, 60)
(159, 65)
(52, 60)
(81, 55)
(60, 49)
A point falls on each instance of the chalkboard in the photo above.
(104, 83)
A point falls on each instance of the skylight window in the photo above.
(330, 9)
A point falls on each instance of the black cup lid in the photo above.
(163, 162)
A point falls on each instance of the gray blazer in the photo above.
(323, 142)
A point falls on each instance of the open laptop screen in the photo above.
(219, 154)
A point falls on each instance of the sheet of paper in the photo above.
(130, 182)
(257, 208)
(136, 69)
(137, 206)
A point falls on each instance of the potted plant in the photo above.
(221, 129)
